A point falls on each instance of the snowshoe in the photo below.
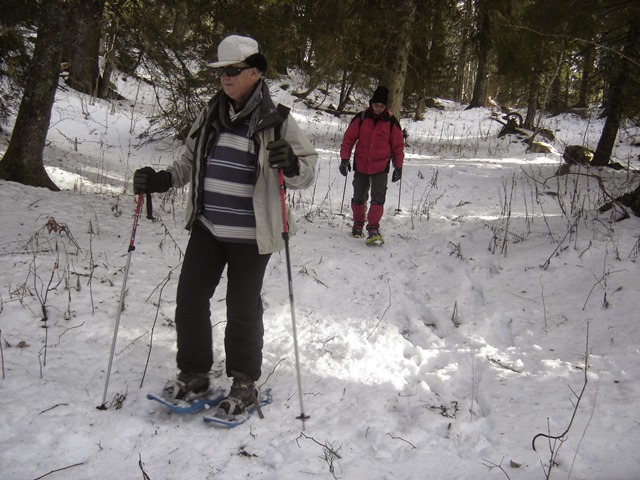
(211, 399)
(223, 420)
(375, 238)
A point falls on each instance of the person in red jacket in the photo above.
(377, 137)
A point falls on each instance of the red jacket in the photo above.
(378, 140)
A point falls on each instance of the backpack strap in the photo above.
(395, 121)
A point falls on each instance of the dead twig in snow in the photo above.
(155, 320)
(383, 313)
(546, 264)
(600, 281)
(556, 441)
(271, 373)
(330, 452)
(144, 474)
(59, 470)
(490, 465)
(55, 406)
(400, 438)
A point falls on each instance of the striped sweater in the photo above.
(229, 183)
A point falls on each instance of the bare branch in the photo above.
(59, 470)
(556, 441)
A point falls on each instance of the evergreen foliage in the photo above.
(528, 54)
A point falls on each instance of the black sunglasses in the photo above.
(232, 71)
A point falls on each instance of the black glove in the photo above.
(147, 180)
(397, 174)
(345, 167)
(281, 156)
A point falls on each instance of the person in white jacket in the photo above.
(231, 160)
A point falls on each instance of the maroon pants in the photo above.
(362, 184)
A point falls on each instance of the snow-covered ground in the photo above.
(502, 307)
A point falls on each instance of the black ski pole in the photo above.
(285, 236)
(344, 190)
(122, 292)
(399, 210)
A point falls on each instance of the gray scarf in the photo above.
(252, 110)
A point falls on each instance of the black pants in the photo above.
(204, 262)
(377, 182)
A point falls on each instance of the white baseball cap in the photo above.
(235, 49)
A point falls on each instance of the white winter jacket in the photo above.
(267, 205)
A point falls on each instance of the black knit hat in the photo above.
(381, 95)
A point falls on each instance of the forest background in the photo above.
(533, 55)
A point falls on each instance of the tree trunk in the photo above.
(23, 161)
(555, 104)
(585, 80)
(535, 81)
(463, 84)
(346, 86)
(602, 155)
(84, 73)
(480, 88)
(397, 73)
(110, 42)
(420, 108)
(427, 53)
(615, 100)
(532, 102)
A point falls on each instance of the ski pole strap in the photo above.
(135, 223)
(149, 207)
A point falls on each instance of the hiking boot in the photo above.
(187, 387)
(357, 232)
(243, 394)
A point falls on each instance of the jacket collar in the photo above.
(266, 114)
(385, 115)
